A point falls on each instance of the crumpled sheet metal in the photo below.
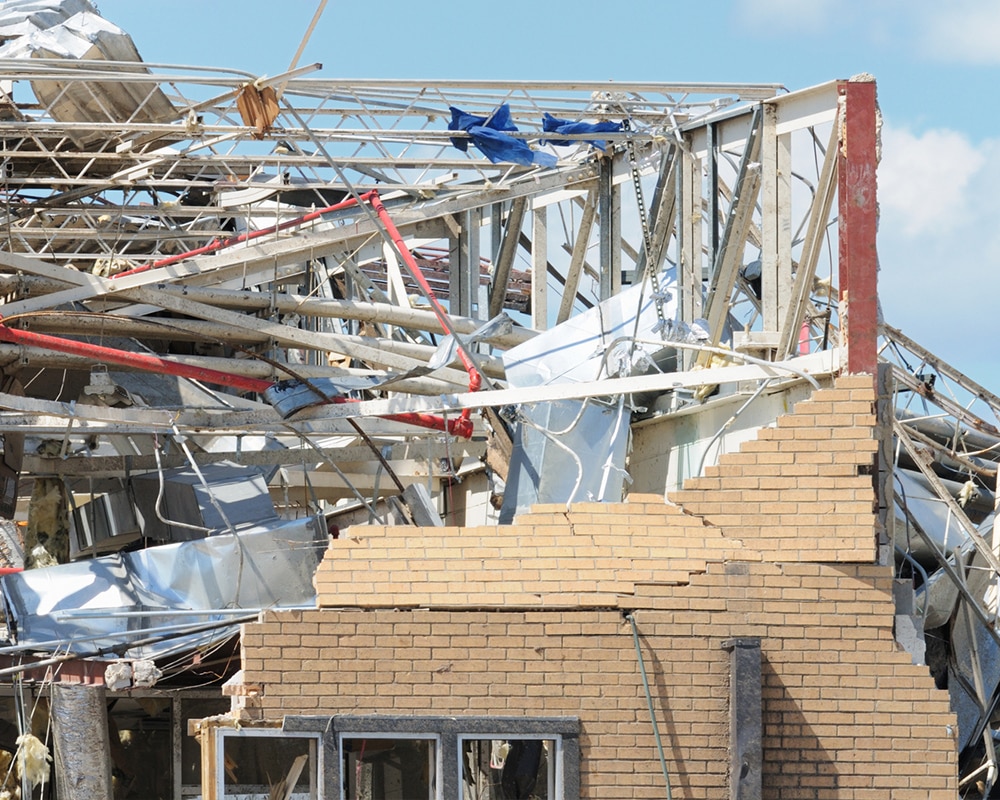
(576, 350)
(264, 567)
(931, 514)
(575, 450)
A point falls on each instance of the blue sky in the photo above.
(937, 66)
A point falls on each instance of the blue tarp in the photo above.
(487, 134)
(565, 127)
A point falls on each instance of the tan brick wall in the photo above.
(802, 490)
(403, 628)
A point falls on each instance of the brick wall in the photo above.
(777, 542)
(802, 490)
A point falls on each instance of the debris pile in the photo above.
(241, 314)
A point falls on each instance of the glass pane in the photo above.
(388, 769)
(506, 769)
(258, 767)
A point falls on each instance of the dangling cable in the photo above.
(649, 701)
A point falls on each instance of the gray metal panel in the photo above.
(264, 567)
(580, 457)
(239, 491)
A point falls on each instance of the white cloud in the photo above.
(963, 31)
(924, 180)
(955, 32)
(786, 15)
(939, 245)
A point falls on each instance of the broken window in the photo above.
(448, 758)
(265, 763)
(192, 708)
(509, 767)
(384, 767)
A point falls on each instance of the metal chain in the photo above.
(647, 237)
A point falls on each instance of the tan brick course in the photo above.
(777, 542)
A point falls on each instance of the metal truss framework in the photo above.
(206, 213)
(216, 220)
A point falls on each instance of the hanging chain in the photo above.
(647, 236)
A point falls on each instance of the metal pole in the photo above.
(858, 221)
(80, 735)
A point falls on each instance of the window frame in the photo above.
(556, 790)
(317, 755)
(428, 737)
(450, 731)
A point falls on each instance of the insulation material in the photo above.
(46, 540)
(33, 759)
(145, 673)
(118, 676)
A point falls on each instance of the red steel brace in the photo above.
(857, 215)
(461, 426)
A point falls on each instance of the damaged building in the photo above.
(470, 439)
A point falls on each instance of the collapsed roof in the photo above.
(432, 301)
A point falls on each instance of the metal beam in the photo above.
(858, 221)
(505, 257)
(539, 268)
(690, 274)
(734, 236)
(776, 220)
(609, 210)
(578, 257)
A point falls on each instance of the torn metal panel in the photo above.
(974, 675)
(184, 504)
(580, 348)
(572, 450)
(87, 606)
(576, 449)
(73, 31)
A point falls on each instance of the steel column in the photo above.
(609, 210)
(746, 728)
(858, 212)
(80, 734)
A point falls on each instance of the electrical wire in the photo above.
(649, 702)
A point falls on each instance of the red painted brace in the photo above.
(461, 426)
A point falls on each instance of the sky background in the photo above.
(937, 66)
